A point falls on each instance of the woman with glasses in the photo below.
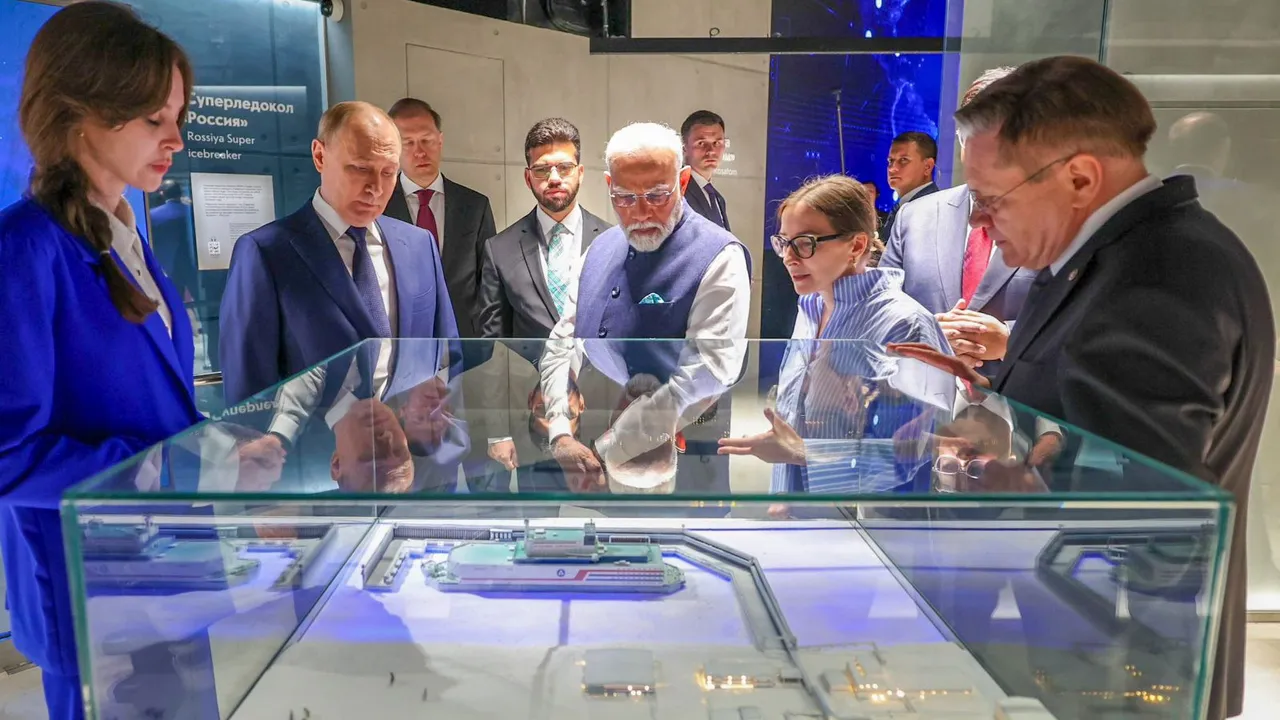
(841, 397)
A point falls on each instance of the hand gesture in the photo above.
(581, 466)
(427, 415)
(974, 335)
(975, 385)
(781, 444)
(504, 453)
(261, 462)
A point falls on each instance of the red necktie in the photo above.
(977, 255)
(426, 218)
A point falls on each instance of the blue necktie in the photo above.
(367, 283)
(718, 201)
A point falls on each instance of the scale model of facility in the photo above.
(559, 560)
(126, 556)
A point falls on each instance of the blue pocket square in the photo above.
(652, 299)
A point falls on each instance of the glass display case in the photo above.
(865, 540)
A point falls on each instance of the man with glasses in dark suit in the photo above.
(527, 274)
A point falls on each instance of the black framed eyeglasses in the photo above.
(542, 172)
(653, 198)
(804, 246)
(986, 206)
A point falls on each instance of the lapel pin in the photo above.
(1074, 274)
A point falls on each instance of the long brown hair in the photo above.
(92, 61)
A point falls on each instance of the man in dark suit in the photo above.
(912, 157)
(460, 218)
(312, 284)
(703, 136)
(527, 274)
(1149, 323)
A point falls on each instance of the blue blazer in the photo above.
(927, 242)
(81, 389)
(291, 303)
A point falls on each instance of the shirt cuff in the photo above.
(495, 441)
(339, 409)
(559, 426)
(286, 426)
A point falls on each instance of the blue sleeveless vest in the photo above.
(616, 278)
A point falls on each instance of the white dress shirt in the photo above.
(297, 400)
(573, 223)
(128, 245)
(912, 193)
(721, 307)
(411, 189)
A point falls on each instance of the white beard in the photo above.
(649, 236)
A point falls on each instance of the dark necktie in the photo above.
(427, 219)
(1043, 278)
(977, 255)
(717, 202)
(367, 283)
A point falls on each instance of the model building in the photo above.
(558, 559)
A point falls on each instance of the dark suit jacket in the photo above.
(290, 301)
(1158, 335)
(701, 204)
(514, 300)
(887, 227)
(927, 242)
(468, 222)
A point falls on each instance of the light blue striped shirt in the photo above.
(855, 395)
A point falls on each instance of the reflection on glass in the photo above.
(317, 547)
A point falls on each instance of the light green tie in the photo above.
(559, 260)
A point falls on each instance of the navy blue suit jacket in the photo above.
(291, 302)
(81, 389)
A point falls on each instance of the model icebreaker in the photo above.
(133, 555)
(558, 560)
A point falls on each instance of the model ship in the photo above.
(133, 555)
(558, 560)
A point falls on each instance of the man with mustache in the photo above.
(664, 273)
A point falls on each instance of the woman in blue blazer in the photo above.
(97, 359)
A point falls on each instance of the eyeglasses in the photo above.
(653, 198)
(952, 465)
(542, 172)
(987, 206)
(804, 246)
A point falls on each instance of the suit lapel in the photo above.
(406, 280)
(455, 224)
(997, 274)
(592, 226)
(310, 239)
(952, 233)
(530, 240)
(398, 206)
(1042, 305)
(697, 199)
